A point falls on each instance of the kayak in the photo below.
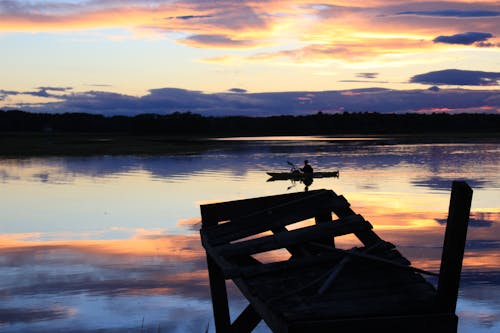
(300, 175)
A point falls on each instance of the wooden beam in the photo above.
(235, 230)
(294, 237)
(226, 267)
(246, 321)
(287, 265)
(376, 259)
(219, 297)
(325, 218)
(211, 214)
(454, 245)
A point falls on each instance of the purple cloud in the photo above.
(367, 75)
(467, 38)
(188, 17)
(238, 90)
(215, 41)
(452, 13)
(458, 77)
(5, 93)
(169, 100)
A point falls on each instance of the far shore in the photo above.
(25, 144)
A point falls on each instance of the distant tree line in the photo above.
(180, 124)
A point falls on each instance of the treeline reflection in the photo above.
(441, 163)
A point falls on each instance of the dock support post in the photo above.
(326, 218)
(219, 297)
(454, 245)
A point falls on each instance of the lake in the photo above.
(111, 243)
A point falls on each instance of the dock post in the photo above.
(219, 297)
(326, 218)
(454, 245)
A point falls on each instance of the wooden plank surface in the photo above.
(284, 215)
(211, 214)
(294, 237)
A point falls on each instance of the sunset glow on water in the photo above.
(111, 243)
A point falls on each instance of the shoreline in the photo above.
(25, 144)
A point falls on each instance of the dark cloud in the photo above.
(238, 90)
(434, 88)
(9, 92)
(6, 93)
(169, 100)
(55, 88)
(453, 13)
(188, 17)
(367, 75)
(39, 93)
(467, 38)
(458, 77)
(215, 41)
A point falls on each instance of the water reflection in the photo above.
(111, 242)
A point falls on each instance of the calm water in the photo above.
(111, 243)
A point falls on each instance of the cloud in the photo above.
(453, 13)
(370, 75)
(55, 88)
(341, 31)
(188, 17)
(467, 38)
(6, 93)
(216, 41)
(458, 77)
(238, 102)
(238, 90)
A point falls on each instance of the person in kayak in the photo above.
(307, 169)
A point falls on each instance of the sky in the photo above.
(250, 57)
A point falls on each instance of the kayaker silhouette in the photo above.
(307, 169)
(308, 174)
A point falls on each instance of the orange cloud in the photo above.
(479, 109)
(179, 247)
(298, 31)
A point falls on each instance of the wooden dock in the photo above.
(321, 288)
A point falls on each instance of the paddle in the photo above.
(294, 167)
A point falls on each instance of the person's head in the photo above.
(306, 162)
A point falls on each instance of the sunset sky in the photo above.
(129, 56)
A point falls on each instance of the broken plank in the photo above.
(211, 214)
(294, 237)
(233, 231)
